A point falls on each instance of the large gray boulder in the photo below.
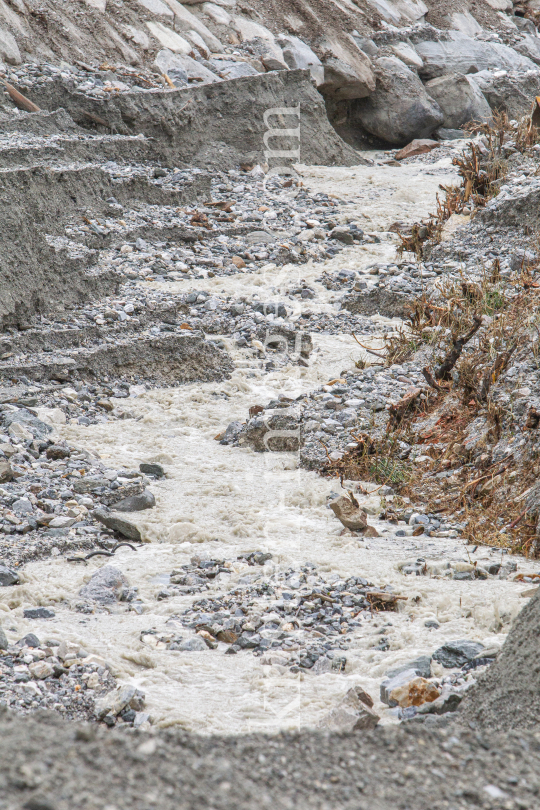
(460, 100)
(462, 54)
(108, 585)
(299, 56)
(400, 109)
(512, 93)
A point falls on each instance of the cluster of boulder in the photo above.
(390, 81)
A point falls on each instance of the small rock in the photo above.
(57, 451)
(38, 613)
(113, 702)
(417, 147)
(457, 653)
(152, 468)
(7, 576)
(108, 585)
(4, 644)
(351, 516)
(41, 670)
(342, 235)
(354, 713)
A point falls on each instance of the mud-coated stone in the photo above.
(400, 109)
(414, 693)
(6, 473)
(118, 523)
(462, 54)
(152, 468)
(344, 81)
(108, 585)
(350, 515)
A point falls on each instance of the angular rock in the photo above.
(420, 146)
(41, 670)
(118, 523)
(388, 685)
(276, 433)
(4, 644)
(8, 577)
(457, 653)
(136, 503)
(113, 702)
(460, 100)
(195, 644)
(344, 81)
(108, 585)
(353, 713)
(510, 92)
(414, 693)
(399, 110)
(351, 516)
(447, 702)
(299, 56)
(38, 613)
(421, 665)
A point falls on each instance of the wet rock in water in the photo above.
(152, 468)
(8, 577)
(350, 515)
(196, 644)
(116, 701)
(448, 701)
(4, 644)
(353, 713)
(108, 585)
(136, 503)
(29, 640)
(457, 653)
(413, 693)
(117, 523)
(421, 665)
(389, 684)
(38, 613)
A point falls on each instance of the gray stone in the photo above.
(350, 515)
(460, 100)
(421, 665)
(136, 503)
(22, 506)
(457, 653)
(353, 713)
(152, 468)
(38, 613)
(195, 644)
(342, 234)
(9, 50)
(400, 109)
(118, 523)
(7, 576)
(6, 472)
(462, 54)
(27, 420)
(108, 585)
(447, 702)
(4, 644)
(113, 702)
(299, 56)
(260, 237)
(388, 685)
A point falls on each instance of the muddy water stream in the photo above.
(220, 501)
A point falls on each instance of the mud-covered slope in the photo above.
(507, 696)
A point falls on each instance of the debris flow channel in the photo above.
(261, 526)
